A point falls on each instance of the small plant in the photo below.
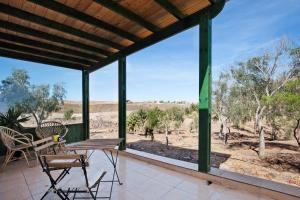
(68, 114)
(13, 119)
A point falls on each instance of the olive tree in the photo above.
(221, 109)
(285, 104)
(264, 76)
(14, 89)
(38, 100)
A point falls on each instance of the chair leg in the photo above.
(25, 157)
(29, 155)
(8, 157)
(37, 158)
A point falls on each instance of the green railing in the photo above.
(75, 134)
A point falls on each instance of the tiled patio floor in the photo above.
(141, 181)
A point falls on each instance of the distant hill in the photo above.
(110, 106)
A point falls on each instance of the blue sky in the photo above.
(169, 70)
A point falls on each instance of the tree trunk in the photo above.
(221, 130)
(36, 118)
(261, 151)
(167, 137)
(296, 135)
(227, 135)
(256, 122)
(274, 131)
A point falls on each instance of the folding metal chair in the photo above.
(71, 185)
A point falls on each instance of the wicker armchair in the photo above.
(15, 141)
(50, 128)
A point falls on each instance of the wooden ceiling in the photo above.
(89, 34)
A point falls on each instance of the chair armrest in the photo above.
(24, 136)
(23, 140)
(29, 135)
(67, 130)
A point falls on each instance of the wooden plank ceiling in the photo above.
(85, 34)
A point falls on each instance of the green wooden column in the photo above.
(122, 101)
(205, 94)
(85, 104)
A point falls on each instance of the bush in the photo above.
(68, 114)
(13, 119)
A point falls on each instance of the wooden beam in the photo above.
(164, 33)
(49, 47)
(71, 12)
(47, 54)
(170, 8)
(53, 38)
(117, 8)
(38, 59)
(27, 16)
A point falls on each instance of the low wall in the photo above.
(75, 134)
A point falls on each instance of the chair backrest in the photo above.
(43, 145)
(7, 136)
(47, 129)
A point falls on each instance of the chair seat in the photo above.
(66, 163)
(76, 179)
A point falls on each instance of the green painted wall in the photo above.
(75, 134)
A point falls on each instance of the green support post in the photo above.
(85, 104)
(205, 94)
(122, 102)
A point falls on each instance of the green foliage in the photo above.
(14, 89)
(264, 87)
(68, 114)
(40, 101)
(220, 95)
(193, 107)
(284, 106)
(153, 118)
(13, 119)
(240, 106)
(172, 117)
(136, 120)
(195, 122)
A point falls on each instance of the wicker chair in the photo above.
(15, 141)
(50, 128)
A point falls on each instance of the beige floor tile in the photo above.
(39, 187)
(13, 184)
(237, 195)
(125, 195)
(150, 190)
(176, 194)
(199, 188)
(15, 194)
(264, 197)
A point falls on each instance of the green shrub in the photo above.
(68, 114)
